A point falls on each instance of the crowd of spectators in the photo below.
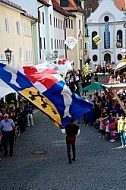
(106, 112)
(22, 115)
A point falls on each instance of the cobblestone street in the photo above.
(40, 161)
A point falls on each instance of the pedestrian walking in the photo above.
(71, 131)
(8, 131)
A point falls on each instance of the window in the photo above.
(51, 43)
(79, 24)
(71, 24)
(43, 18)
(40, 41)
(54, 22)
(6, 25)
(95, 58)
(86, 30)
(18, 27)
(44, 43)
(25, 29)
(119, 40)
(94, 46)
(64, 3)
(50, 19)
(119, 57)
(20, 54)
(55, 43)
(106, 18)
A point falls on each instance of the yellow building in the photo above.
(16, 33)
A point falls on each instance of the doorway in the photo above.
(107, 58)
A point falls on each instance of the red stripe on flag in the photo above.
(44, 77)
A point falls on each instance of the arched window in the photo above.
(95, 58)
(119, 39)
(94, 46)
(119, 57)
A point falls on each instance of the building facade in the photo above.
(107, 21)
(16, 33)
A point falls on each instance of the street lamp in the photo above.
(8, 54)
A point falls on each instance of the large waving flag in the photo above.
(51, 84)
(61, 68)
(21, 84)
(47, 90)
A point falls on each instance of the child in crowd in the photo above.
(107, 131)
(122, 129)
(102, 126)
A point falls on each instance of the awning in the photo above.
(115, 86)
(120, 66)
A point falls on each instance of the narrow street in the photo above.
(40, 161)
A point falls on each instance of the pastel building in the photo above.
(108, 22)
(16, 33)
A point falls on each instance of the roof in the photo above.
(11, 4)
(44, 2)
(120, 4)
(62, 11)
(23, 12)
(72, 6)
(90, 6)
(30, 16)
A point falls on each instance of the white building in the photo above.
(108, 23)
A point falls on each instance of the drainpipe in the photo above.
(39, 31)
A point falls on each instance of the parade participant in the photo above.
(29, 112)
(122, 129)
(71, 131)
(8, 131)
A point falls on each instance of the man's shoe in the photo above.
(11, 155)
(70, 162)
(73, 159)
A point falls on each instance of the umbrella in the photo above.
(93, 86)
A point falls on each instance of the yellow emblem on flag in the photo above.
(97, 39)
(43, 103)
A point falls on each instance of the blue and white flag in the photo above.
(47, 90)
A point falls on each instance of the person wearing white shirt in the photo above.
(8, 131)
